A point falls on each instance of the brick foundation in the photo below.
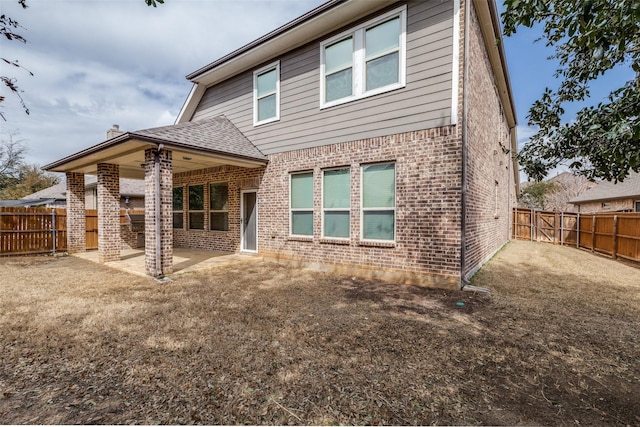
(109, 241)
(76, 216)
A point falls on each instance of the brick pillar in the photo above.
(76, 215)
(166, 213)
(108, 212)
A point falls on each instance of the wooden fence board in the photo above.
(44, 230)
(614, 234)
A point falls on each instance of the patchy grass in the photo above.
(555, 343)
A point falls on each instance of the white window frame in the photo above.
(256, 73)
(359, 59)
(181, 212)
(636, 206)
(202, 211)
(218, 210)
(291, 210)
(334, 209)
(395, 203)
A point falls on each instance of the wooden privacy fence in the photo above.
(614, 234)
(44, 230)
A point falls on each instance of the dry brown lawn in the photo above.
(556, 343)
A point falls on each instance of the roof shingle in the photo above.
(607, 190)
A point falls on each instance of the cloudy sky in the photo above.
(97, 63)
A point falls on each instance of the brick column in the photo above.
(76, 215)
(108, 212)
(166, 213)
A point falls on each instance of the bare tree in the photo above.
(12, 152)
(566, 187)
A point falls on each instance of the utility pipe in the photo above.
(463, 192)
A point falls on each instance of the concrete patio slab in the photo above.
(184, 260)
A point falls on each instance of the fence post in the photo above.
(578, 231)
(614, 249)
(53, 230)
(531, 225)
(561, 228)
(593, 233)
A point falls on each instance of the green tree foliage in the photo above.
(532, 195)
(29, 180)
(9, 31)
(590, 37)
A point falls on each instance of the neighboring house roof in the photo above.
(26, 203)
(607, 190)
(128, 187)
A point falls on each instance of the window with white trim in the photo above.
(367, 60)
(219, 206)
(378, 201)
(336, 203)
(301, 204)
(178, 207)
(638, 206)
(266, 94)
(196, 207)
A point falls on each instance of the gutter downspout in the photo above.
(158, 210)
(463, 195)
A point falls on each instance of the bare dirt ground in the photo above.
(556, 343)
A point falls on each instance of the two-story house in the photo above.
(374, 137)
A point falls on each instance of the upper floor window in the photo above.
(637, 206)
(364, 61)
(266, 94)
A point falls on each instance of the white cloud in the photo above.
(98, 63)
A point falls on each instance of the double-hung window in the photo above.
(266, 94)
(219, 206)
(378, 220)
(336, 203)
(196, 207)
(178, 206)
(364, 61)
(301, 204)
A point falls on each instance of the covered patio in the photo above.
(184, 260)
(154, 155)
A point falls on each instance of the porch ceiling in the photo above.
(194, 145)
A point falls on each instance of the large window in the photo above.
(378, 202)
(266, 94)
(219, 206)
(178, 207)
(364, 61)
(196, 207)
(301, 204)
(336, 203)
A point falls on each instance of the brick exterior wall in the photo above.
(166, 234)
(76, 217)
(237, 179)
(490, 182)
(109, 241)
(428, 180)
(610, 206)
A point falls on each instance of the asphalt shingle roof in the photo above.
(128, 187)
(216, 134)
(608, 190)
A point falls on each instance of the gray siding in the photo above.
(424, 103)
